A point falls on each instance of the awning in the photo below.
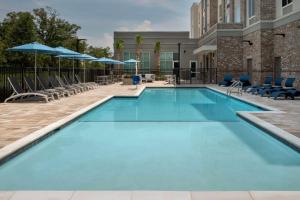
(205, 49)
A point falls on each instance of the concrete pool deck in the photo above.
(146, 195)
(20, 120)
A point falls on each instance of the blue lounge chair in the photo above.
(267, 84)
(268, 90)
(284, 92)
(227, 80)
(245, 79)
(292, 94)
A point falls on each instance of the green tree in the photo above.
(139, 40)
(157, 49)
(16, 29)
(119, 47)
(98, 52)
(54, 31)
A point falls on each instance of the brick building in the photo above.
(258, 37)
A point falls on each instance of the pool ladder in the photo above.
(236, 87)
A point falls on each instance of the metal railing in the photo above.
(236, 87)
(21, 72)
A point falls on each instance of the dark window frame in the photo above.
(286, 2)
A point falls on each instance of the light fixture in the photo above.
(280, 34)
(248, 41)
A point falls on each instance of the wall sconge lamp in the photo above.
(280, 34)
(248, 41)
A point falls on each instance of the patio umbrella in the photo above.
(64, 51)
(35, 48)
(133, 61)
(81, 57)
(105, 61)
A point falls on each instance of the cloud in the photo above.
(105, 40)
(146, 25)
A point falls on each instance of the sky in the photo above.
(100, 18)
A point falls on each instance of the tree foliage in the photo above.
(45, 26)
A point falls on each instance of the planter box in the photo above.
(127, 81)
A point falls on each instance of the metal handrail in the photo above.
(235, 85)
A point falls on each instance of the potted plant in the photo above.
(127, 79)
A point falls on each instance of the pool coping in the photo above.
(21, 144)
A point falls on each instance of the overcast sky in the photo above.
(100, 18)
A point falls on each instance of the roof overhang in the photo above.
(205, 49)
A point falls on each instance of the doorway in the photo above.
(176, 71)
(193, 67)
(277, 68)
(250, 68)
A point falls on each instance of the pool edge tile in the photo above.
(220, 195)
(42, 195)
(161, 195)
(103, 195)
(275, 195)
(6, 195)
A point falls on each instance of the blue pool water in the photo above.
(168, 139)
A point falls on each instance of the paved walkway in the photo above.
(289, 120)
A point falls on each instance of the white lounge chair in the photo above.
(149, 77)
(20, 95)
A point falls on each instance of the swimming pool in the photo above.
(167, 139)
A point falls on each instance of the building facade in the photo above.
(169, 51)
(257, 37)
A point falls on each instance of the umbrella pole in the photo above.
(136, 70)
(59, 66)
(83, 71)
(73, 72)
(35, 71)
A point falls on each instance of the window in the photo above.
(227, 12)
(286, 2)
(251, 8)
(145, 63)
(237, 11)
(166, 62)
(129, 67)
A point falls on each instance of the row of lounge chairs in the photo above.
(267, 88)
(50, 89)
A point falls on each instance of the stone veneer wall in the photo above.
(229, 56)
(253, 52)
(288, 48)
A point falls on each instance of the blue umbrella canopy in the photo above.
(64, 51)
(81, 57)
(35, 48)
(131, 61)
(105, 60)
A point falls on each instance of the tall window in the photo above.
(145, 63)
(166, 62)
(237, 11)
(251, 8)
(227, 11)
(286, 2)
(129, 67)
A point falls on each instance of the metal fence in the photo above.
(21, 72)
(202, 75)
